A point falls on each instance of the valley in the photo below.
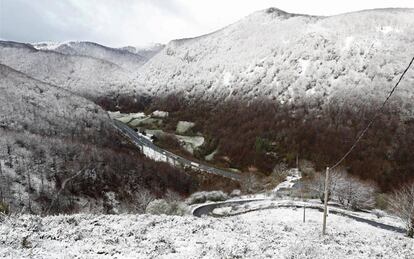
(281, 135)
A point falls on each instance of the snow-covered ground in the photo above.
(294, 175)
(276, 233)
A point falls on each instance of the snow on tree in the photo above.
(402, 204)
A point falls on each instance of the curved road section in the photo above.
(207, 209)
(151, 150)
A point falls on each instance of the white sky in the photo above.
(139, 22)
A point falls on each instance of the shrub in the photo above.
(381, 201)
(158, 207)
(161, 206)
(235, 193)
(178, 208)
(201, 197)
(402, 204)
(4, 208)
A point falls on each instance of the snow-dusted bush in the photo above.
(402, 204)
(235, 193)
(178, 208)
(354, 193)
(216, 196)
(171, 196)
(111, 204)
(349, 191)
(143, 198)
(161, 206)
(280, 172)
(158, 206)
(201, 197)
(379, 213)
(317, 184)
(251, 183)
(307, 168)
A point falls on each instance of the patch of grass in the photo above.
(4, 208)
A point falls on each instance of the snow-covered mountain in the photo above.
(31, 105)
(50, 137)
(128, 60)
(36, 119)
(87, 76)
(147, 52)
(290, 58)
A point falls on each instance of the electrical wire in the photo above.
(373, 118)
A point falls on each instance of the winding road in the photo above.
(142, 142)
(207, 209)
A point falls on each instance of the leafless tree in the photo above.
(62, 188)
(402, 204)
(251, 183)
(353, 193)
(143, 198)
(317, 184)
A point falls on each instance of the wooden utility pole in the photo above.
(325, 207)
(304, 212)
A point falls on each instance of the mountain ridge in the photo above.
(302, 58)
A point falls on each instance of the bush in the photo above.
(4, 208)
(158, 207)
(381, 201)
(379, 213)
(401, 203)
(354, 193)
(161, 206)
(235, 193)
(201, 197)
(178, 208)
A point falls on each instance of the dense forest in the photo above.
(263, 133)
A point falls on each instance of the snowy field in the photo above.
(275, 233)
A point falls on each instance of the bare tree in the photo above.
(251, 183)
(61, 189)
(144, 197)
(402, 204)
(317, 184)
(353, 193)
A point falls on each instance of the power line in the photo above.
(373, 118)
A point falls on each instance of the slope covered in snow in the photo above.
(276, 233)
(31, 105)
(147, 52)
(291, 58)
(36, 122)
(89, 77)
(59, 152)
(130, 61)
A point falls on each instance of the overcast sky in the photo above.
(139, 22)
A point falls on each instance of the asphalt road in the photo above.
(141, 141)
(205, 210)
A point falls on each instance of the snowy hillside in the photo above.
(83, 75)
(35, 120)
(59, 152)
(128, 60)
(291, 58)
(276, 233)
(147, 52)
(31, 105)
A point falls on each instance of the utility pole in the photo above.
(297, 161)
(325, 207)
